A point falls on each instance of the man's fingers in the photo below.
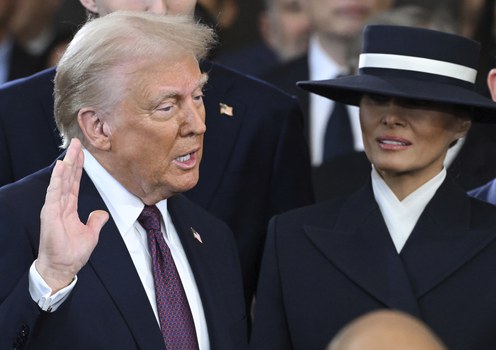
(96, 220)
(65, 179)
(54, 190)
(74, 161)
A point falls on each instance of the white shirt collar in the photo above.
(125, 209)
(321, 65)
(402, 216)
(124, 206)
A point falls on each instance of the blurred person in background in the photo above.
(334, 25)
(63, 36)
(34, 25)
(15, 60)
(472, 166)
(220, 15)
(284, 30)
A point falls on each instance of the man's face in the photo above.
(342, 18)
(156, 130)
(169, 7)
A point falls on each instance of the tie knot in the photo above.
(150, 218)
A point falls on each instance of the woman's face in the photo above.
(409, 138)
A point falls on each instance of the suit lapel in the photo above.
(222, 133)
(113, 265)
(201, 257)
(360, 246)
(442, 241)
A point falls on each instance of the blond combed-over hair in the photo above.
(84, 73)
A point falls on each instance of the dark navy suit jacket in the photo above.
(255, 163)
(325, 265)
(108, 308)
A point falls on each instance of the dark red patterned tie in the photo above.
(176, 322)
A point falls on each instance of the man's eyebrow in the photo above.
(172, 94)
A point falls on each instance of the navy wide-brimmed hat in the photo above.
(412, 63)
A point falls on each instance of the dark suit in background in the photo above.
(256, 59)
(22, 63)
(472, 167)
(286, 76)
(255, 163)
(108, 308)
(443, 275)
(340, 175)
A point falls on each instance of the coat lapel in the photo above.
(443, 241)
(222, 133)
(360, 246)
(202, 257)
(113, 265)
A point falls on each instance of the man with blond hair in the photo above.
(254, 147)
(162, 273)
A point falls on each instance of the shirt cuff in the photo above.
(41, 292)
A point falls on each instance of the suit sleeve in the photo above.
(270, 327)
(18, 311)
(291, 180)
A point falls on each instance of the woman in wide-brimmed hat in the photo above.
(410, 239)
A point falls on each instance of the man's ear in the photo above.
(90, 5)
(95, 130)
(491, 83)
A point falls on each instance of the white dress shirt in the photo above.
(401, 216)
(322, 67)
(124, 209)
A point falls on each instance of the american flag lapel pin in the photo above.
(226, 109)
(196, 235)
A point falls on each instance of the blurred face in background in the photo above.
(342, 18)
(6, 10)
(171, 7)
(32, 17)
(285, 28)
